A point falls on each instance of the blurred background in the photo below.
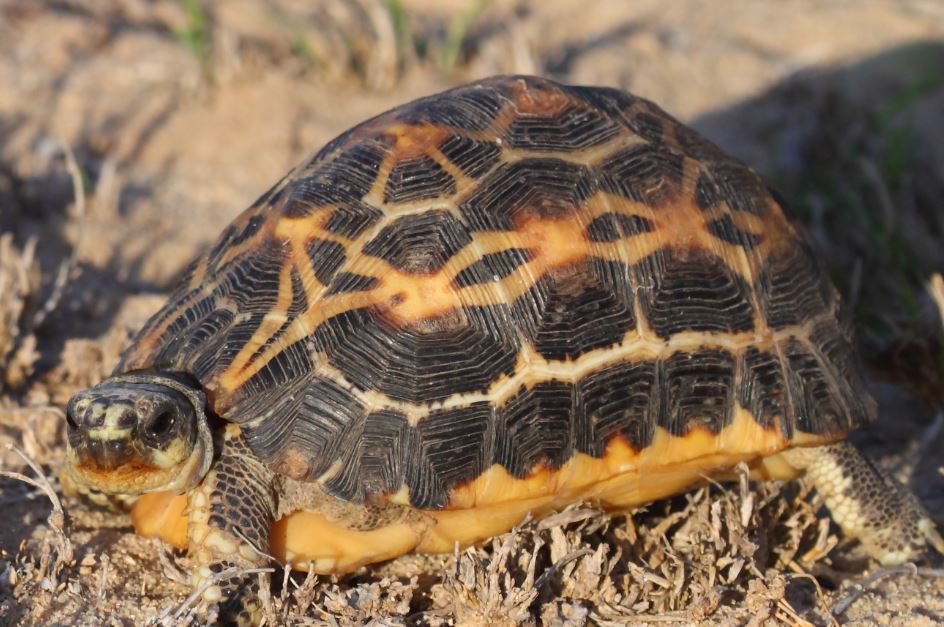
(132, 131)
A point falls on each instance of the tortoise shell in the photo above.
(517, 280)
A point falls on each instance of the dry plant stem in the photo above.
(567, 517)
(258, 550)
(169, 568)
(788, 616)
(555, 567)
(57, 518)
(936, 289)
(181, 609)
(382, 64)
(882, 573)
(60, 546)
(820, 597)
(65, 269)
(930, 435)
(667, 617)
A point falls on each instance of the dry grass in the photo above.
(684, 561)
(19, 284)
(56, 552)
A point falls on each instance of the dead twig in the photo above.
(57, 519)
(67, 266)
(184, 607)
(61, 546)
(936, 290)
(930, 435)
(268, 556)
(861, 588)
(556, 566)
(820, 597)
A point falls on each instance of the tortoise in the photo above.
(487, 303)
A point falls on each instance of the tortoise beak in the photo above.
(99, 432)
(103, 455)
(113, 426)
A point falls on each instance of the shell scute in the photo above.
(689, 290)
(576, 309)
(643, 174)
(537, 186)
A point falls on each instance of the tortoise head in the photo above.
(137, 433)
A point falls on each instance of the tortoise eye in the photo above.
(160, 425)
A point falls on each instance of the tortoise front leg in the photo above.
(231, 514)
(866, 503)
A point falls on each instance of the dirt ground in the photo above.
(131, 131)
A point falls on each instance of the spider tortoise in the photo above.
(489, 302)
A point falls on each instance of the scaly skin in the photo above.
(867, 504)
(231, 513)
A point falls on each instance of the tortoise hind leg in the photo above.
(231, 514)
(867, 504)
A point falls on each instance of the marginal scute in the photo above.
(447, 448)
(697, 391)
(762, 389)
(535, 428)
(617, 400)
(316, 417)
(818, 405)
(835, 345)
(372, 462)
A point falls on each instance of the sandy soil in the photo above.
(177, 120)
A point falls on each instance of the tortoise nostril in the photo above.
(160, 425)
(128, 418)
(70, 420)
